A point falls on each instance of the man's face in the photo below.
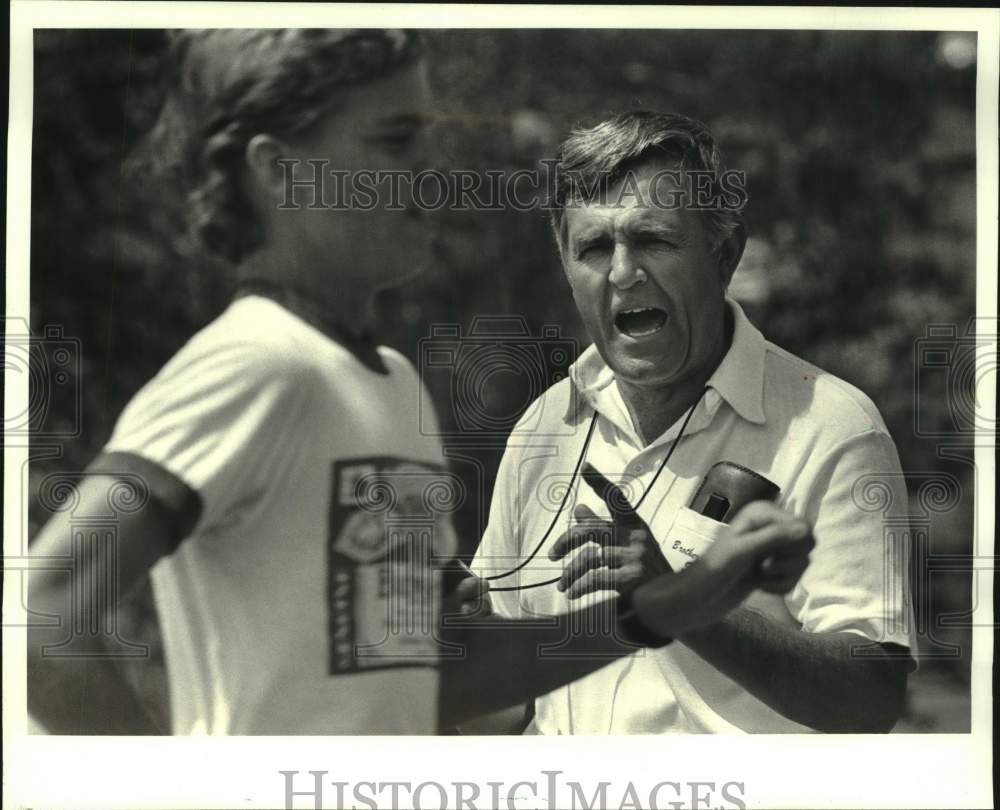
(649, 289)
(379, 126)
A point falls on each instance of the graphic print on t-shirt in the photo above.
(389, 529)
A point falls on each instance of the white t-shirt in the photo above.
(304, 599)
(819, 439)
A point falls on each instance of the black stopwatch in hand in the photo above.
(614, 556)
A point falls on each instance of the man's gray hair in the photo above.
(595, 157)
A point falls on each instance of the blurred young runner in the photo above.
(293, 527)
(252, 438)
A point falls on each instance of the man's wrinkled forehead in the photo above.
(650, 195)
(640, 183)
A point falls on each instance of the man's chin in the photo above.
(641, 371)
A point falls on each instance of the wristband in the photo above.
(634, 630)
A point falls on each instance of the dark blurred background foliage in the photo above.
(859, 149)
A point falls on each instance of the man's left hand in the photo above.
(470, 598)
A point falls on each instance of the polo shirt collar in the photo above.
(739, 378)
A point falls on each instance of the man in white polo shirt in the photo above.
(678, 380)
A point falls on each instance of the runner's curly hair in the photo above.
(227, 85)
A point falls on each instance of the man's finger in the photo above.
(472, 585)
(757, 514)
(584, 514)
(588, 558)
(779, 565)
(472, 596)
(595, 531)
(784, 537)
(778, 586)
(616, 501)
(747, 550)
(597, 579)
(472, 588)
(615, 556)
(588, 528)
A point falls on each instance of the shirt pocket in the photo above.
(689, 537)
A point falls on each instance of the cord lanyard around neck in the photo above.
(569, 489)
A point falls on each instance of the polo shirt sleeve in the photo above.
(219, 421)
(857, 579)
(499, 550)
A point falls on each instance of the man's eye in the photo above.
(656, 242)
(591, 251)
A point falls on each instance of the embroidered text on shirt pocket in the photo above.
(689, 537)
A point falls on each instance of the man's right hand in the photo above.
(768, 548)
(471, 598)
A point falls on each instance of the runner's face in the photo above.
(379, 127)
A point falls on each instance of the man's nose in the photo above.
(624, 268)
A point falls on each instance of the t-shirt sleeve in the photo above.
(219, 419)
(498, 550)
(857, 580)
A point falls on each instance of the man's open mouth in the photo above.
(640, 322)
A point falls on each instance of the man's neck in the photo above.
(655, 408)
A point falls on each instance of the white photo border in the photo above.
(948, 770)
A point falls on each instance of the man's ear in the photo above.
(730, 251)
(264, 171)
(559, 232)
